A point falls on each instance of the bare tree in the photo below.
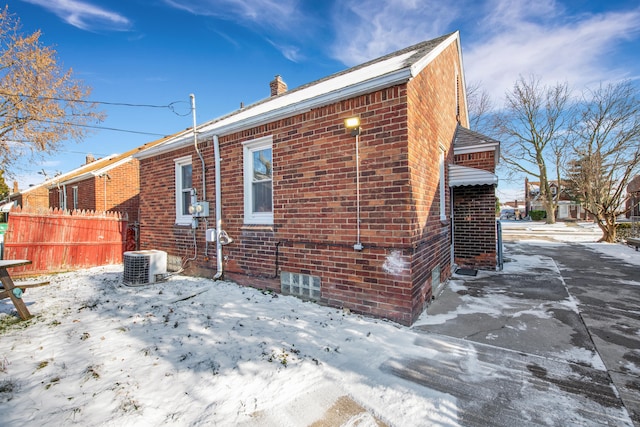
(40, 104)
(532, 129)
(480, 107)
(606, 140)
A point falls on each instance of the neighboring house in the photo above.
(36, 197)
(369, 217)
(567, 208)
(633, 200)
(111, 183)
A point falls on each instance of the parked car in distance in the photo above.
(508, 214)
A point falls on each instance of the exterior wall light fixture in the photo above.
(353, 124)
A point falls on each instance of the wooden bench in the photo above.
(13, 290)
(633, 241)
(24, 285)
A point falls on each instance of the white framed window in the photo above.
(184, 183)
(75, 197)
(443, 200)
(62, 198)
(258, 181)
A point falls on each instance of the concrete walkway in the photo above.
(555, 336)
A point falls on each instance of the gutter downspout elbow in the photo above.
(216, 153)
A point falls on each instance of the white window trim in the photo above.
(181, 219)
(248, 147)
(75, 197)
(62, 198)
(443, 200)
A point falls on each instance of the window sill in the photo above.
(258, 227)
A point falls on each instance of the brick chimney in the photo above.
(90, 159)
(15, 187)
(278, 86)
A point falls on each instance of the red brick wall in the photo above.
(122, 191)
(158, 229)
(315, 205)
(87, 194)
(37, 198)
(314, 187)
(485, 160)
(432, 124)
(475, 222)
(474, 227)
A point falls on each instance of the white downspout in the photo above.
(195, 144)
(358, 244)
(216, 154)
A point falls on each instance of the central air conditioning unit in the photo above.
(143, 267)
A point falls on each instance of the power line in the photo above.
(170, 106)
(93, 127)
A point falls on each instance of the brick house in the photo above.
(568, 208)
(297, 202)
(633, 198)
(473, 182)
(110, 183)
(36, 197)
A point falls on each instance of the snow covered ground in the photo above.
(101, 353)
(191, 351)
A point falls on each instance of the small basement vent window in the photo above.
(301, 285)
(436, 285)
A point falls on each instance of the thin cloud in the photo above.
(292, 53)
(501, 39)
(552, 45)
(274, 19)
(264, 13)
(84, 16)
(369, 29)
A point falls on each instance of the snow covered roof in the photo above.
(460, 176)
(389, 70)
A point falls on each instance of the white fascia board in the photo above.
(324, 93)
(95, 173)
(172, 144)
(376, 76)
(490, 146)
(225, 127)
(177, 141)
(60, 179)
(421, 64)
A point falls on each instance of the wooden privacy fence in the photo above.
(58, 240)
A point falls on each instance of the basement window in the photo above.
(301, 285)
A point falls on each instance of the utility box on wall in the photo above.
(199, 209)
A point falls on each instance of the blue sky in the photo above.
(227, 51)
